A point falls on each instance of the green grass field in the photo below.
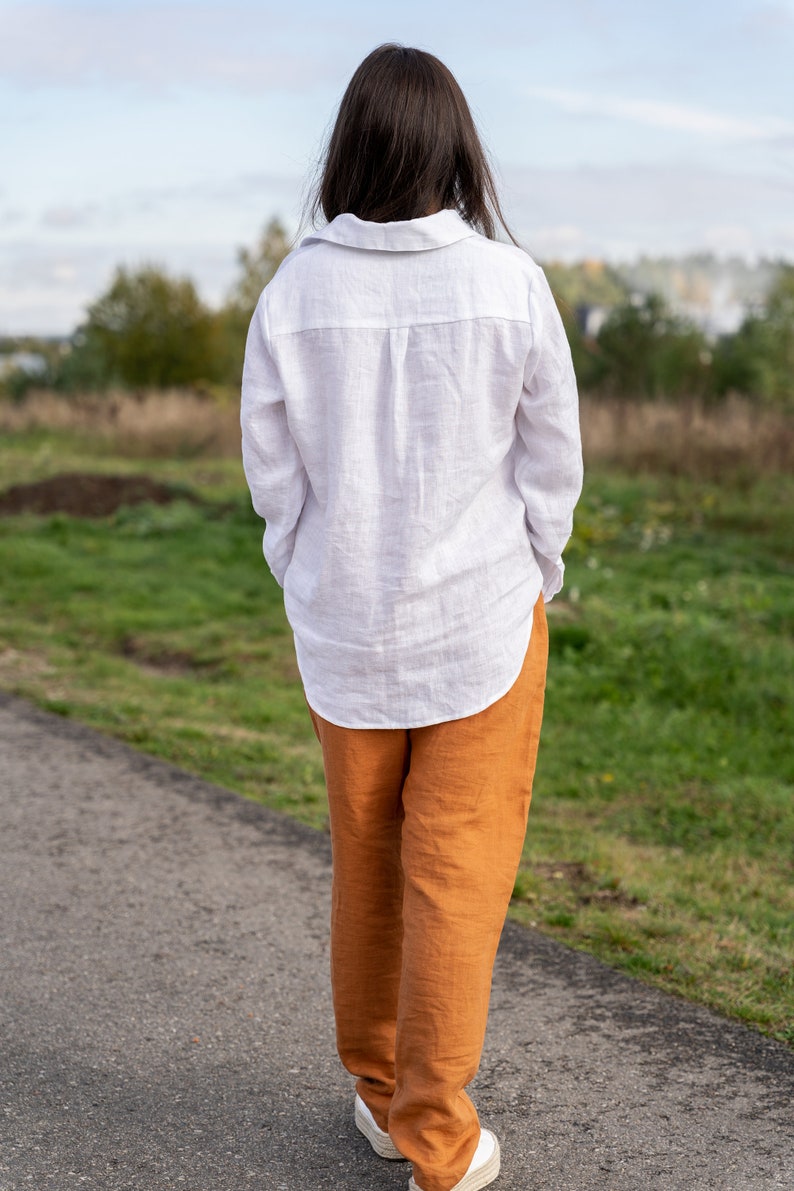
(662, 824)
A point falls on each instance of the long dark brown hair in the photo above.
(404, 144)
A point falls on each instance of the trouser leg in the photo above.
(427, 828)
(465, 801)
(364, 771)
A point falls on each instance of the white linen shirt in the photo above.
(411, 438)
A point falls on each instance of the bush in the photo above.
(146, 330)
(644, 350)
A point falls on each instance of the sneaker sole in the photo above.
(475, 1180)
(381, 1143)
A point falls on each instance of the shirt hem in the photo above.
(428, 723)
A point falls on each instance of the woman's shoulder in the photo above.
(292, 277)
(510, 257)
(295, 261)
(506, 268)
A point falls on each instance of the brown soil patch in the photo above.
(83, 495)
(583, 884)
(156, 660)
(574, 873)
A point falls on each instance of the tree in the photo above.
(647, 351)
(759, 358)
(587, 283)
(257, 267)
(147, 329)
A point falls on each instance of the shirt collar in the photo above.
(406, 235)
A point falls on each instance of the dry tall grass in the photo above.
(734, 438)
(737, 438)
(159, 424)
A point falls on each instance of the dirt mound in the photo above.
(82, 495)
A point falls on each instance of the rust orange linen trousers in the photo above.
(427, 829)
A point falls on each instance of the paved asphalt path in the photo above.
(166, 1019)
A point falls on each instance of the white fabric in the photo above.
(411, 438)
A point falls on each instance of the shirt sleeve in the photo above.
(549, 448)
(271, 460)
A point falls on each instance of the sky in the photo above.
(170, 133)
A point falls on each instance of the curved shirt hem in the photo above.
(332, 718)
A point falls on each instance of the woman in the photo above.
(410, 436)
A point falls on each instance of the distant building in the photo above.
(590, 319)
(31, 363)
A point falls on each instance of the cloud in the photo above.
(45, 289)
(242, 188)
(66, 217)
(158, 46)
(221, 211)
(617, 213)
(64, 271)
(769, 20)
(623, 211)
(671, 116)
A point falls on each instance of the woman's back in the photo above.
(414, 351)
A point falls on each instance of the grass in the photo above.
(738, 437)
(663, 824)
(661, 830)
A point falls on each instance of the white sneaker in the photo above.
(381, 1143)
(483, 1169)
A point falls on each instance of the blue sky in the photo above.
(171, 132)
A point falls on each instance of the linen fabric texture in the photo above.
(427, 828)
(411, 438)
